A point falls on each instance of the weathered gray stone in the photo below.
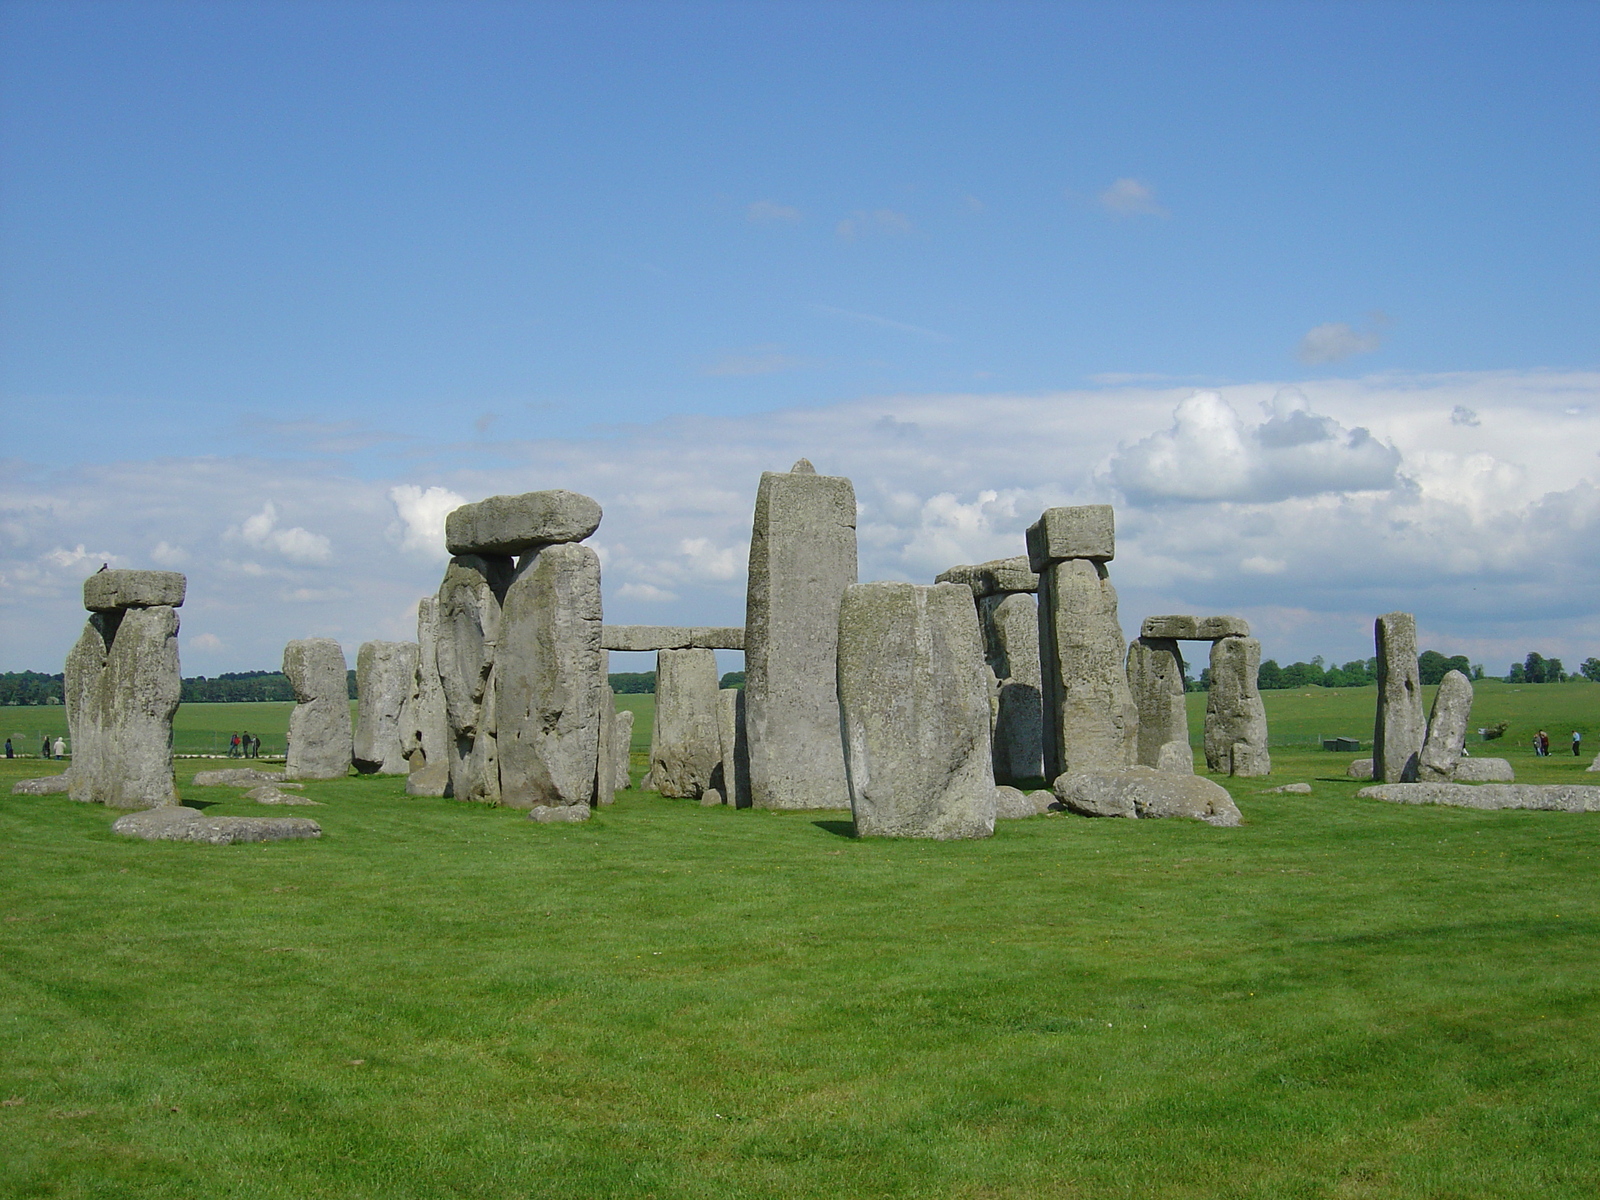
(996, 577)
(1289, 789)
(1595, 765)
(1236, 720)
(1399, 729)
(517, 524)
(386, 674)
(733, 776)
(431, 780)
(1155, 677)
(672, 637)
(319, 726)
(1090, 720)
(470, 600)
(549, 690)
(686, 743)
(1081, 531)
(106, 591)
(269, 793)
(425, 735)
(122, 708)
(606, 781)
(557, 814)
(622, 747)
(915, 712)
(1194, 629)
(1143, 792)
(1549, 797)
(711, 798)
(1019, 718)
(50, 785)
(1013, 805)
(1361, 768)
(802, 557)
(237, 777)
(1481, 770)
(1447, 729)
(174, 823)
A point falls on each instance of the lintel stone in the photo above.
(106, 591)
(1194, 629)
(1081, 531)
(671, 637)
(516, 524)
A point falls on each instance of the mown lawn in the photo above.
(1341, 998)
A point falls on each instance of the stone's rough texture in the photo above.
(121, 708)
(1084, 531)
(1015, 621)
(431, 780)
(426, 736)
(672, 637)
(1019, 718)
(1013, 805)
(915, 711)
(50, 785)
(237, 777)
(1447, 729)
(1361, 768)
(1399, 730)
(549, 689)
(1194, 629)
(178, 824)
(733, 777)
(605, 768)
(710, 798)
(386, 674)
(269, 794)
(802, 467)
(1479, 770)
(1090, 720)
(1595, 765)
(1551, 797)
(1142, 792)
(1236, 720)
(1155, 677)
(802, 557)
(319, 726)
(553, 814)
(1289, 789)
(517, 524)
(470, 599)
(999, 576)
(686, 742)
(108, 590)
(622, 748)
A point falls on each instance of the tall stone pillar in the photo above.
(319, 727)
(1155, 677)
(686, 742)
(1399, 730)
(1447, 729)
(386, 675)
(470, 598)
(735, 768)
(427, 733)
(622, 747)
(1090, 720)
(1236, 720)
(802, 557)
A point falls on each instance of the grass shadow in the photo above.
(844, 829)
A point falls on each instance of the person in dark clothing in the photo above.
(1577, 743)
(10, 753)
(44, 750)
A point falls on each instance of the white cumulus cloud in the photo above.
(296, 544)
(422, 512)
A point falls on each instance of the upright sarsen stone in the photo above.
(1236, 720)
(1090, 720)
(470, 598)
(386, 674)
(913, 697)
(734, 778)
(622, 748)
(319, 726)
(1155, 677)
(1399, 730)
(81, 682)
(1447, 729)
(427, 733)
(802, 557)
(686, 743)
(548, 684)
(1019, 722)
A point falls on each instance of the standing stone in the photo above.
(549, 688)
(606, 784)
(427, 733)
(915, 712)
(1399, 731)
(1090, 720)
(1019, 723)
(81, 682)
(1447, 729)
(1155, 676)
(470, 599)
(319, 726)
(386, 672)
(734, 776)
(685, 744)
(1236, 720)
(622, 747)
(802, 557)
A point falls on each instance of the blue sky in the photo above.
(303, 255)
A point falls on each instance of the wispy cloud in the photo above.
(770, 212)
(1336, 341)
(758, 360)
(880, 220)
(1131, 198)
(880, 322)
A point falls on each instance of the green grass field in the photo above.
(1342, 998)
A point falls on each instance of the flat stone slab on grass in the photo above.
(50, 785)
(1288, 789)
(1142, 792)
(1483, 770)
(174, 823)
(1547, 797)
(236, 777)
(552, 814)
(270, 794)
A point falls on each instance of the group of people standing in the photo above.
(244, 746)
(1541, 744)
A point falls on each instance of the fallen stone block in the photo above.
(1481, 770)
(50, 785)
(269, 794)
(1145, 793)
(1081, 531)
(1361, 768)
(556, 814)
(110, 590)
(174, 823)
(516, 524)
(1289, 789)
(431, 780)
(711, 798)
(1012, 804)
(236, 777)
(1548, 797)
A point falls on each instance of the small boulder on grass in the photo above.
(1013, 804)
(236, 777)
(174, 823)
(50, 785)
(547, 814)
(269, 793)
(1145, 793)
(1289, 789)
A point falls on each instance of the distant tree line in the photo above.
(1536, 668)
(30, 687)
(1431, 666)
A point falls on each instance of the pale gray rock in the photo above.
(1236, 720)
(122, 707)
(1549, 797)
(1013, 805)
(1289, 789)
(1155, 677)
(430, 780)
(734, 774)
(1090, 719)
(1000, 576)
(237, 777)
(106, 591)
(177, 824)
(1361, 768)
(1399, 729)
(1145, 793)
(549, 689)
(915, 712)
(1194, 629)
(271, 794)
(319, 726)
(426, 737)
(1212, 628)
(1019, 709)
(802, 557)
(622, 747)
(686, 743)
(606, 782)
(386, 673)
(1447, 729)
(50, 785)
(1015, 621)
(1481, 770)
(517, 524)
(640, 638)
(1081, 531)
(711, 798)
(470, 600)
(557, 814)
